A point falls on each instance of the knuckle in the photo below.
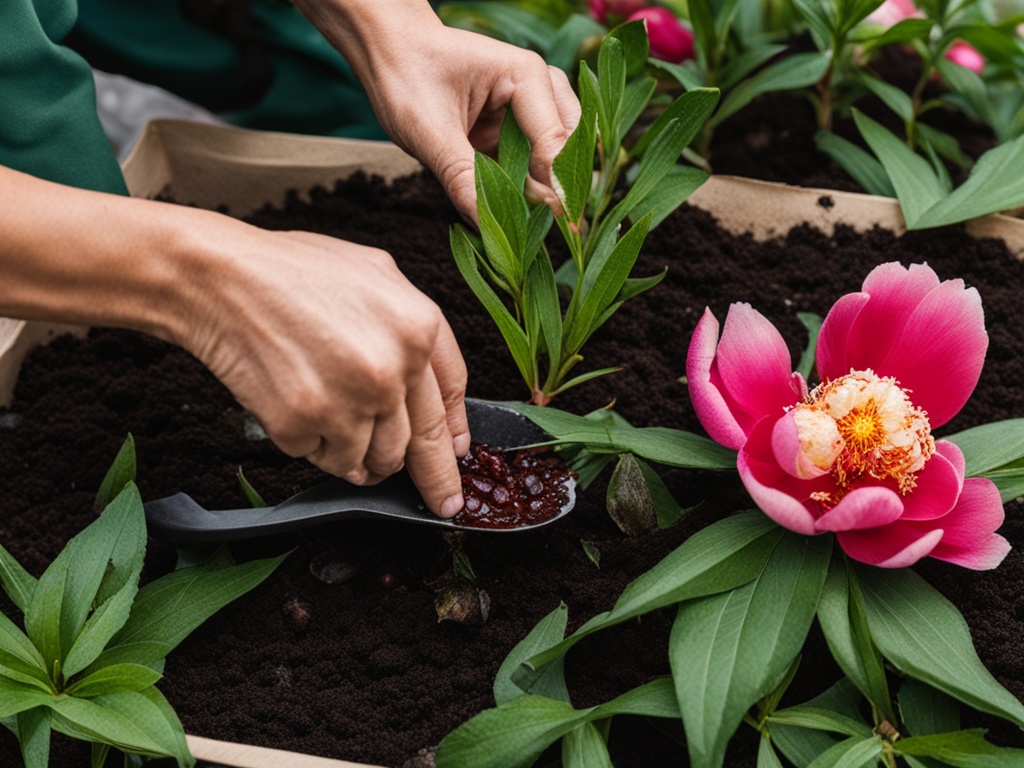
(434, 433)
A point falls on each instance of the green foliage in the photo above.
(604, 221)
(93, 642)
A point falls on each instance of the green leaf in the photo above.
(514, 734)
(169, 608)
(1010, 482)
(628, 500)
(729, 649)
(963, 749)
(687, 75)
(503, 214)
(18, 697)
(766, 757)
(943, 144)
(549, 631)
(895, 99)
(33, 731)
(573, 167)
(176, 742)
(746, 62)
(801, 745)
(902, 32)
(113, 679)
(844, 624)
(853, 12)
(19, 658)
(634, 286)
(705, 36)
(861, 165)
(611, 76)
(585, 377)
(990, 446)
(542, 293)
(251, 494)
(673, 190)
(723, 556)
(584, 747)
(996, 184)
(513, 151)
(798, 71)
(565, 45)
(803, 716)
(511, 331)
(104, 622)
(917, 187)
(127, 720)
(18, 583)
(121, 472)
(634, 101)
(635, 46)
(924, 636)
(925, 710)
(820, 19)
(851, 753)
(666, 507)
(691, 109)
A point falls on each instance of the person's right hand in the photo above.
(338, 356)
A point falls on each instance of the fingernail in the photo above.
(461, 444)
(452, 506)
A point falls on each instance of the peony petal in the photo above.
(778, 494)
(940, 352)
(788, 452)
(712, 403)
(894, 294)
(831, 356)
(938, 485)
(870, 506)
(754, 363)
(892, 546)
(970, 537)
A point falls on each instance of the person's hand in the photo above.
(337, 355)
(440, 92)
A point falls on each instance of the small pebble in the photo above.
(329, 569)
(10, 420)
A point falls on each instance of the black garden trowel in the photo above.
(180, 519)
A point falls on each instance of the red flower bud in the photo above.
(670, 40)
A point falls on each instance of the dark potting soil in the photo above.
(340, 652)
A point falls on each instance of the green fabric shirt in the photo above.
(48, 122)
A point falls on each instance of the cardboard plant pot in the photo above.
(212, 166)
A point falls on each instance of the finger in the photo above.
(386, 452)
(430, 458)
(343, 455)
(450, 372)
(452, 159)
(539, 105)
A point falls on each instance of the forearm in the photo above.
(69, 255)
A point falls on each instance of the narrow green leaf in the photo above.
(18, 583)
(746, 62)
(853, 13)
(895, 99)
(798, 71)
(18, 653)
(729, 649)
(861, 165)
(104, 622)
(801, 745)
(634, 286)
(917, 187)
(584, 747)
(723, 556)
(673, 190)
(812, 323)
(511, 331)
(687, 75)
(970, 86)
(851, 753)
(766, 757)
(611, 76)
(33, 731)
(251, 494)
(658, 444)
(43, 619)
(169, 608)
(634, 101)
(542, 293)
(803, 716)
(667, 509)
(514, 734)
(503, 214)
(18, 697)
(943, 144)
(121, 472)
(513, 151)
(114, 679)
(1010, 482)
(583, 377)
(635, 47)
(561, 53)
(628, 500)
(125, 720)
(573, 167)
(819, 19)
(902, 32)
(549, 631)
(990, 446)
(963, 749)
(175, 742)
(691, 109)
(844, 624)
(925, 710)
(924, 636)
(705, 37)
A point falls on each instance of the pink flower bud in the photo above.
(670, 40)
(602, 9)
(966, 55)
(598, 10)
(892, 12)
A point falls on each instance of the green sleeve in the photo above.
(48, 122)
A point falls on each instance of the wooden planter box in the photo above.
(214, 166)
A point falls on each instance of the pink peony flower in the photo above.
(600, 9)
(892, 12)
(855, 455)
(670, 40)
(966, 55)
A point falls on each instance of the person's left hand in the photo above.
(441, 92)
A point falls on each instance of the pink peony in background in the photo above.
(855, 456)
(670, 40)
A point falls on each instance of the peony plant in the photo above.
(851, 462)
(855, 455)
